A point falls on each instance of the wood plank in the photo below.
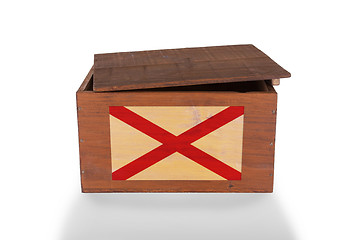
(183, 67)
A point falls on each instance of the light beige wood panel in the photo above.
(224, 143)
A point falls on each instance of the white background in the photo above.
(47, 49)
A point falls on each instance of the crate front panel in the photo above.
(256, 158)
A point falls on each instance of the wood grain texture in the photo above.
(258, 139)
(183, 67)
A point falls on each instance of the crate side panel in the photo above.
(93, 142)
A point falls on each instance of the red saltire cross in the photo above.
(180, 143)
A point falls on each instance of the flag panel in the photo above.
(216, 149)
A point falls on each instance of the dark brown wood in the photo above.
(183, 67)
(258, 144)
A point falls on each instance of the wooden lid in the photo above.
(183, 67)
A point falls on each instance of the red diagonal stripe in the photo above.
(172, 143)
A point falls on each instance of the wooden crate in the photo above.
(179, 120)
